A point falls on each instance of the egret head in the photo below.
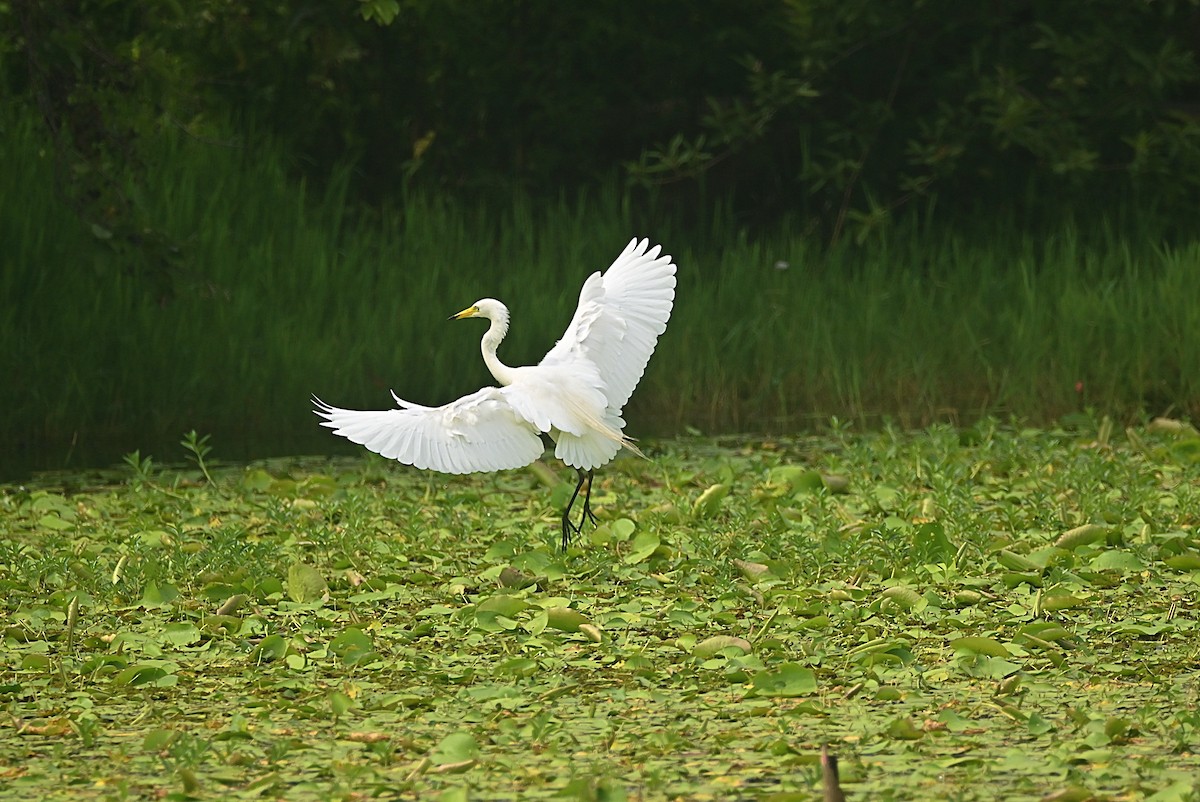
(484, 307)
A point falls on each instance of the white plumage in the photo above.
(575, 394)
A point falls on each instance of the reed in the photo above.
(282, 290)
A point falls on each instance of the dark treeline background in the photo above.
(836, 111)
(842, 120)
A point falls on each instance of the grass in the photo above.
(277, 291)
(975, 614)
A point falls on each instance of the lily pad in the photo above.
(787, 680)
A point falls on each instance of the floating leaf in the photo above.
(591, 632)
(158, 596)
(232, 604)
(997, 668)
(56, 523)
(1120, 561)
(965, 598)
(836, 483)
(621, 529)
(1061, 601)
(710, 501)
(980, 645)
(455, 748)
(799, 480)
(1081, 536)
(752, 571)
(512, 578)
(904, 729)
(353, 646)
(305, 583)
(903, 597)
(1016, 562)
(565, 619)
(711, 646)
(931, 541)
(257, 480)
(518, 667)
(643, 546)
(142, 674)
(789, 679)
(181, 634)
(340, 703)
(1184, 562)
(159, 739)
(1187, 451)
(269, 648)
(500, 604)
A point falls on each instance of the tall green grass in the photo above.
(283, 291)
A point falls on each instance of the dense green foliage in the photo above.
(977, 615)
(221, 206)
(843, 110)
(278, 294)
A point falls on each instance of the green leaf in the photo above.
(789, 679)
(55, 523)
(565, 619)
(1061, 601)
(1120, 561)
(340, 703)
(1184, 562)
(518, 667)
(353, 646)
(980, 645)
(158, 739)
(717, 643)
(931, 542)
(305, 583)
(1081, 536)
(155, 596)
(1186, 451)
(799, 480)
(181, 634)
(455, 748)
(903, 597)
(1016, 562)
(642, 548)
(709, 501)
(257, 480)
(621, 529)
(500, 604)
(753, 571)
(269, 648)
(904, 729)
(141, 674)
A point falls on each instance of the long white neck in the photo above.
(491, 341)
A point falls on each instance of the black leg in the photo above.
(569, 528)
(587, 504)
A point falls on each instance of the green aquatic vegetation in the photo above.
(972, 614)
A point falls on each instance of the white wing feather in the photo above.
(620, 315)
(619, 319)
(478, 432)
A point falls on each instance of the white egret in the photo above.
(575, 394)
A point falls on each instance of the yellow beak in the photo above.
(470, 311)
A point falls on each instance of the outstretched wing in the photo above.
(619, 318)
(478, 432)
